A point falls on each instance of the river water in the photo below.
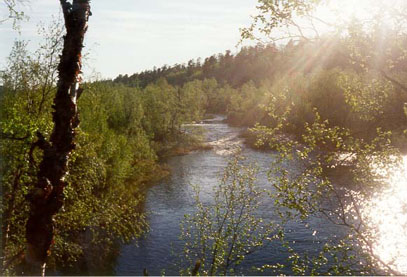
(168, 202)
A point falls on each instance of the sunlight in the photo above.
(346, 8)
(244, 137)
(336, 17)
(345, 11)
(388, 214)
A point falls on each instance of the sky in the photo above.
(128, 36)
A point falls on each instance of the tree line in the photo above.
(336, 94)
(303, 74)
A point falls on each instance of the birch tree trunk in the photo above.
(46, 199)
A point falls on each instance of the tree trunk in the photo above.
(47, 196)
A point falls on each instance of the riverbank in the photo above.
(168, 196)
(168, 201)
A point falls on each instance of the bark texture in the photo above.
(46, 199)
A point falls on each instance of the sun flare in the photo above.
(330, 12)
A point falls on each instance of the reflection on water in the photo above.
(387, 213)
(170, 200)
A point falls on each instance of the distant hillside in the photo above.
(250, 64)
(299, 77)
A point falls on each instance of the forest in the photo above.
(329, 111)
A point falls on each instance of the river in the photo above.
(168, 201)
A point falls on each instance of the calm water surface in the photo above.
(168, 202)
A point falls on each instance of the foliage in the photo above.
(277, 14)
(14, 12)
(219, 236)
(122, 129)
(340, 154)
(334, 103)
(334, 167)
